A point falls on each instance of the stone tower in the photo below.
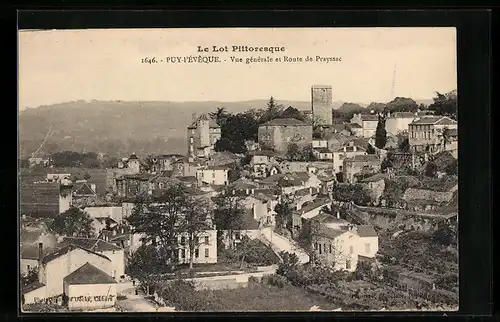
(321, 103)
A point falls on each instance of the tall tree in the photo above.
(380, 132)
(157, 218)
(445, 104)
(228, 213)
(73, 223)
(445, 137)
(194, 224)
(220, 116)
(284, 211)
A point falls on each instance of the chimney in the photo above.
(40, 253)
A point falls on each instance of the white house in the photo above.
(204, 253)
(368, 240)
(89, 288)
(59, 264)
(367, 122)
(214, 175)
(347, 151)
(397, 122)
(336, 248)
(114, 253)
(113, 212)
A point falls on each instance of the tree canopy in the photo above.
(445, 104)
(73, 223)
(381, 133)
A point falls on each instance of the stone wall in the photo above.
(278, 137)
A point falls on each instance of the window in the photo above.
(330, 248)
(183, 240)
(28, 267)
(196, 240)
(183, 253)
(213, 175)
(367, 248)
(206, 240)
(315, 246)
(237, 236)
(341, 156)
(351, 250)
(319, 248)
(196, 253)
(347, 264)
(206, 252)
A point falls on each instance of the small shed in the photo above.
(89, 288)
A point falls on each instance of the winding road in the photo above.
(282, 244)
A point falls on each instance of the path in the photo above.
(283, 244)
(133, 303)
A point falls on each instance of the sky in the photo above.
(105, 64)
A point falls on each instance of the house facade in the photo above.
(347, 151)
(426, 134)
(398, 122)
(367, 122)
(363, 164)
(202, 135)
(278, 134)
(213, 175)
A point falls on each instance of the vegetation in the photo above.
(30, 277)
(228, 213)
(356, 193)
(295, 153)
(73, 223)
(165, 218)
(255, 297)
(284, 210)
(404, 146)
(380, 133)
(248, 251)
(445, 104)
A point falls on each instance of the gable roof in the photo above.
(366, 231)
(369, 117)
(31, 287)
(364, 158)
(83, 189)
(39, 197)
(439, 120)
(329, 232)
(62, 249)
(88, 274)
(353, 126)
(286, 122)
(211, 123)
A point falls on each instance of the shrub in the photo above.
(275, 280)
(182, 295)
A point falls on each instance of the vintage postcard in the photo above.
(238, 169)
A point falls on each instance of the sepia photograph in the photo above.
(238, 170)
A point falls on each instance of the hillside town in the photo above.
(301, 208)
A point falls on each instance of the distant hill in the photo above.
(120, 128)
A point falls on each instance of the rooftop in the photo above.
(321, 86)
(375, 178)
(439, 120)
(31, 287)
(354, 126)
(366, 231)
(88, 274)
(211, 123)
(369, 117)
(364, 158)
(402, 115)
(286, 122)
(64, 248)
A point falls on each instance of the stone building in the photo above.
(277, 134)
(367, 122)
(321, 104)
(426, 134)
(362, 164)
(202, 135)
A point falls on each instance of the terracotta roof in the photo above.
(88, 274)
(329, 232)
(31, 287)
(402, 115)
(60, 251)
(442, 120)
(217, 167)
(83, 189)
(39, 197)
(286, 122)
(366, 231)
(314, 205)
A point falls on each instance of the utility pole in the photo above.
(393, 82)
